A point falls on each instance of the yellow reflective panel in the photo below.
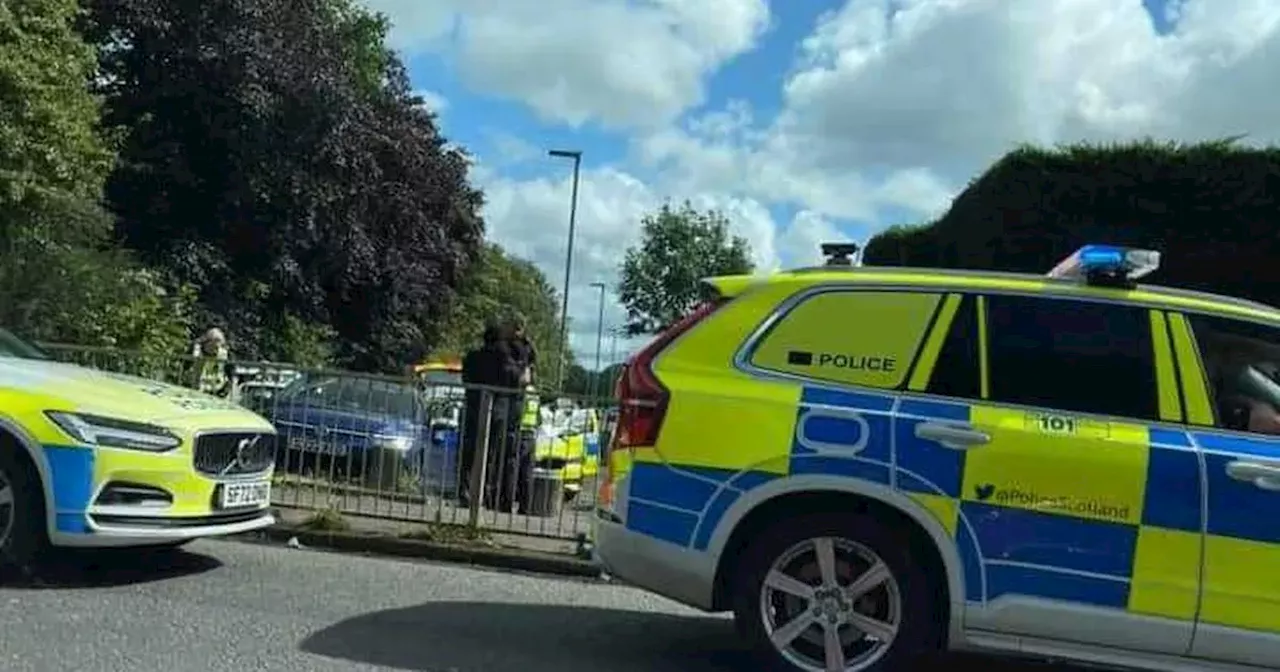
(945, 509)
(854, 338)
(1166, 573)
(1195, 389)
(1242, 586)
(1166, 376)
(984, 363)
(1058, 463)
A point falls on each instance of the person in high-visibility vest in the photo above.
(526, 446)
(212, 366)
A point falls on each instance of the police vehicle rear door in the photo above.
(1035, 437)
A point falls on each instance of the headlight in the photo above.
(396, 443)
(114, 433)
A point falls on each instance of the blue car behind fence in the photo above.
(343, 423)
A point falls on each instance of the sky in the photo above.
(803, 121)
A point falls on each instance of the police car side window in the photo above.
(867, 338)
(1242, 366)
(1072, 355)
(957, 373)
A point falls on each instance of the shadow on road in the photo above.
(109, 568)
(497, 637)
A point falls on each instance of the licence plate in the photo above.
(236, 495)
(307, 445)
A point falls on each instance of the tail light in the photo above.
(642, 399)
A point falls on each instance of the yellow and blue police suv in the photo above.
(868, 464)
(89, 458)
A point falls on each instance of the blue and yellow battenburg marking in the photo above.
(71, 477)
(1120, 529)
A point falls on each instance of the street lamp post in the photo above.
(599, 336)
(576, 155)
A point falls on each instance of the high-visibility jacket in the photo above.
(531, 416)
(212, 377)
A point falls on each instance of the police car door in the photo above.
(1240, 606)
(1049, 460)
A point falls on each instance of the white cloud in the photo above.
(928, 88)
(530, 219)
(803, 239)
(892, 106)
(621, 62)
(895, 104)
(433, 101)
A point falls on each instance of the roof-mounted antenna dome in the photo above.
(840, 254)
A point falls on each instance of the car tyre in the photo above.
(26, 540)
(900, 606)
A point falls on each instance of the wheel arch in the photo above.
(35, 456)
(798, 494)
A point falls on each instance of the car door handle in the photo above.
(1264, 476)
(955, 437)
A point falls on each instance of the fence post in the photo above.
(480, 460)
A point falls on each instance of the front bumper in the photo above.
(110, 497)
(143, 532)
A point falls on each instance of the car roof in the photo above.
(996, 281)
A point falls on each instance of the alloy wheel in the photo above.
(831, 605)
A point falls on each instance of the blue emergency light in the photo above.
(1107, 265)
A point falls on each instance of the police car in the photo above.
(870, 464)
(96, 459)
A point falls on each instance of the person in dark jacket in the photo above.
(523, 352)
(490, 365)
(517, 465)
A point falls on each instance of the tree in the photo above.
(592, 384)
(57, 279)
(275, 160)
(1208, 207)
(678, 248)
(499, 286)
(902, 245)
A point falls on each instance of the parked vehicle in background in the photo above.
(440, 382)
(97, 459)
(569, 442)
(349, 424)
(256, 386)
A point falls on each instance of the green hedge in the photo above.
(1211, 209)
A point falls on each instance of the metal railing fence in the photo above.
(404, 449)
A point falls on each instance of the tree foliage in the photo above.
(275, 160)
(679, 247)
(1208, 207)
(591, 384)
(58, 280)
(499, 287)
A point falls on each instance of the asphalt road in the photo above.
(227, 605)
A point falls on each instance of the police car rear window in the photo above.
(864, 338)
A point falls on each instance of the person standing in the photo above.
(522, 350)
(526, 416)
(212, 363)
(484, 368)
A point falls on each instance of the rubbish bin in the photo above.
(546, 491)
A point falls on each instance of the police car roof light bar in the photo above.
(1108, 265)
